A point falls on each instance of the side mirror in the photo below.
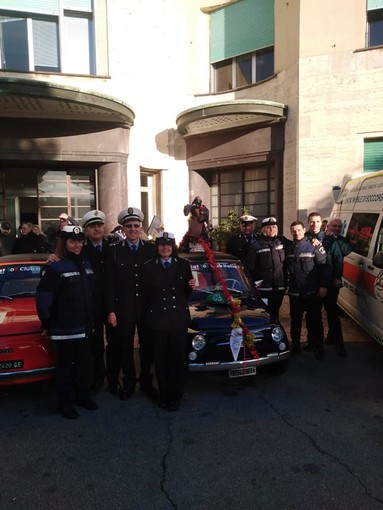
(378, 259)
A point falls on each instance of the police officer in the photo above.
(96, 249)
(266, 262)
(308, 284)
(168, 282)
(65, 298)
(125, 302)
(238, 244)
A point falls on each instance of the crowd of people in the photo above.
(99, 295)
(308, 267)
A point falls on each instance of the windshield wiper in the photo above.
(10, 298)
(22, 294)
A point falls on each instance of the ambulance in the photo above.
(359, 203)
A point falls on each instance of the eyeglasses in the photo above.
(132, 225)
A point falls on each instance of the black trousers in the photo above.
(170, 347)
(97, 345)
(312, 306)
(120, 355)
(73, 371)
(332, 312)
(274, 300)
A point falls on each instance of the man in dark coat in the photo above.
(309, 279)
(239, 244)
(125, 303)
(96, 250)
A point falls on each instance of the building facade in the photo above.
(263, 104)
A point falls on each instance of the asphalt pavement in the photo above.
(309, 439)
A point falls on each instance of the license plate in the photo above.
(242, 372)
(11, 365)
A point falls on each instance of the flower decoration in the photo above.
(234, 303)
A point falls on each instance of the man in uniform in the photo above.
(96, 249)
(266, 262)
(238, 244)
(125, 303)
(309, 279)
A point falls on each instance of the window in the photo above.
(373, 155)
(375, 26)
(58, 40)
(58, 191)
(242, 44)
(253, 188)
(244, 70)
(360, 232)
(150, 196)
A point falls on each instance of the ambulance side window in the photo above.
(379, 239)
(360, 232)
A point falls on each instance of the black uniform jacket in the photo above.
(65, 298)
(266, 261)
(307, 267)
(98, 260)
(124, 280)
(166, 293)
(238, 245)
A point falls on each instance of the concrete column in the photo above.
(112, 191)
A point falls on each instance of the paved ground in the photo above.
(352, 332)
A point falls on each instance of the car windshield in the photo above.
(233, 273)
(19, 280)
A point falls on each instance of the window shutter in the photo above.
(372, 5)
(78, 5)
(31, 6)
(373, 155)
(239, 28)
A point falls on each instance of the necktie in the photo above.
(167, 265)
(98, 247)
(249, 239)
(133, 247)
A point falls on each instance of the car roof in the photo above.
(218, 256)
(24, 257)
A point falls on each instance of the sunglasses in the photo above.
(132, 225)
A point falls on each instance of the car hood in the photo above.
(216, 317)
(18, 316)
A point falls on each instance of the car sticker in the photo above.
(3, 316)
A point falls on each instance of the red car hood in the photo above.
(18, 316)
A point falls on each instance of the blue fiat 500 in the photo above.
(213, 343)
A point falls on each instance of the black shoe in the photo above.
(87, 403)
(97, 386)
(162, 404)
(341, 351)
(125, 394)
(115, 389)
(69, 412)
(173, 405)
(319, 354)
(295, 350)
(308, 348)
(150, 392)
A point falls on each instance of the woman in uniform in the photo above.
(168, 282)
(65, 297)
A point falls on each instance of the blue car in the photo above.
(215, 341)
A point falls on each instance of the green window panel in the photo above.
(31, 6)
(239, 28)
(374, 4)
(373, 155)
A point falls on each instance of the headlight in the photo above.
(198, 342)
(277, 334)
(192, 356)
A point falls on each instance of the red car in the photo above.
(25, 352)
